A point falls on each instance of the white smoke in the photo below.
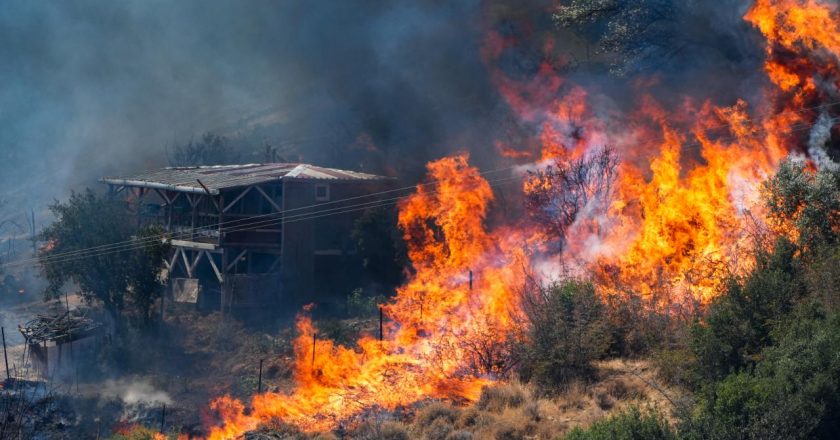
(135, 393)
(820, 135)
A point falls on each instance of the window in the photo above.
(322, 192)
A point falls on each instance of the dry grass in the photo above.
(515, 411)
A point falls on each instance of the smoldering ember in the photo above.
(496, 219)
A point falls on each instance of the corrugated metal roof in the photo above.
(220, 177)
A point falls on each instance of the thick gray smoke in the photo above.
(97, 87)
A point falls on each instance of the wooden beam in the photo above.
(215, 268)
(236, 260)
(174, 258)
(194, 245)
(163, 196)
(209, 194)
(196, 260)
(274, 264)
(270, 200)
(186, 264)
(238, 198)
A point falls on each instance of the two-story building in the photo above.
(249, 236)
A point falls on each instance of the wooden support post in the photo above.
(224, 283)
(380, 324)
(314, 341)
(162, 418)
(5, 356)
(34, 235)
(259, 381)
(209, 195)
(470, 279)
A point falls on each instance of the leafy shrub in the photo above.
(739, 322)
(793, 392)
(805, 201)
(359, 305)
(567, 330)
(677, 366)
(632, 424)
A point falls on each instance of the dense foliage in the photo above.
(632, 424)
(567, 329)
(96, 246)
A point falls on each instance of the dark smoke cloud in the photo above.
(98, 87)
(94, 87)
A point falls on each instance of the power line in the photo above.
(236, 222)
(132, 244)
(138, 244)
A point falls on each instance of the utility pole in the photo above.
(380, 324)
(162, 418)
(5, 356)
(259, 381)
(32, 230)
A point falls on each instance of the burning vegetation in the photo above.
(698, 237)
(660, 202)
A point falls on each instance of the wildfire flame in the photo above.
(686, 190)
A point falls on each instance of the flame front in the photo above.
(434, 323)
(687, 189)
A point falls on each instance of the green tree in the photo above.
(808, 202)
(210, 149)
(380, 246)
(80, 249)
(630, 36)
(567, 329)
(738, 323)
(792, 393)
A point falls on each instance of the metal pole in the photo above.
(259, 381)
(5, 356)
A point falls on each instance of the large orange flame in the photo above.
(430, 348)
(686, 192)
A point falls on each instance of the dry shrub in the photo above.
(436, 420)
(438, 430)
(434, 411)
(473, 419)
(460, 435)
(574, 397)
(505, 431)
(497, 398)
(617, 389)
(603, 400)
(380, 431)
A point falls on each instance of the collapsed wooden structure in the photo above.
(245, 235)
(47, 334)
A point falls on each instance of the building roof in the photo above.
(220, 177)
